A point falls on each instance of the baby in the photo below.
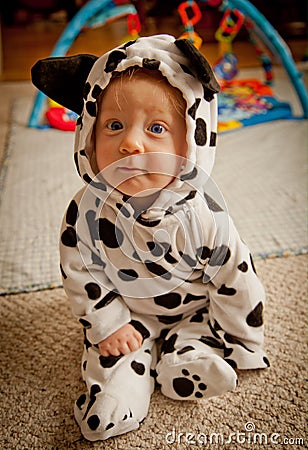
(148, 254)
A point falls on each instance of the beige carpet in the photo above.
(40, 351)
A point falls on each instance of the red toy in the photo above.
(61, 118)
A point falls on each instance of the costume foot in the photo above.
(204, 377)
(104, 417)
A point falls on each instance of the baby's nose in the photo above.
(132, 142)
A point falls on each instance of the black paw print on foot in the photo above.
(185, 387)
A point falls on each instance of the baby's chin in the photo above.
(142, 187)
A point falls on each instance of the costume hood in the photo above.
(77, 82)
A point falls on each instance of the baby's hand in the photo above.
(123, 341)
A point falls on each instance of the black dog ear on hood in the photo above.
(63, 78)
(202, 69)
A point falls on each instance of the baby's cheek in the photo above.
(94, 163)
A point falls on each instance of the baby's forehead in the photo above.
(142, 76)
(151, 81)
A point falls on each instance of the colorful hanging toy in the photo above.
(133, 26)
(231, 23)
(261, 52)
(190, 14)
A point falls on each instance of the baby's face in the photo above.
(140, 139)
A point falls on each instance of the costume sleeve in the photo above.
(95, 301)
(237, 299)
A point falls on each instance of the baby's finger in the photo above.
(125, 348)
(134, 344)
(104, 352)
(140, 338)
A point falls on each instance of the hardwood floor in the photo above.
(23, 44)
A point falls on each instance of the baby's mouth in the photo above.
(127, 172)
(132, 170)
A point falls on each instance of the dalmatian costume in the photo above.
(177, 271)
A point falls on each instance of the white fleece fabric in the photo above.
(177, 271)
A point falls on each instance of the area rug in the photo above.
(260, 171)
(41, 345)
(37, 181)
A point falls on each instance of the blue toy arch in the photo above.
(97, 12)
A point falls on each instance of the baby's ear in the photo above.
(63, 79)
(201, 68)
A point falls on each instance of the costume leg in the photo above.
(118, 392)
(192, 364)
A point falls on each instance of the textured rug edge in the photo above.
(7, 147)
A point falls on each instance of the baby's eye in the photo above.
(156, 128)
(114, 125)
